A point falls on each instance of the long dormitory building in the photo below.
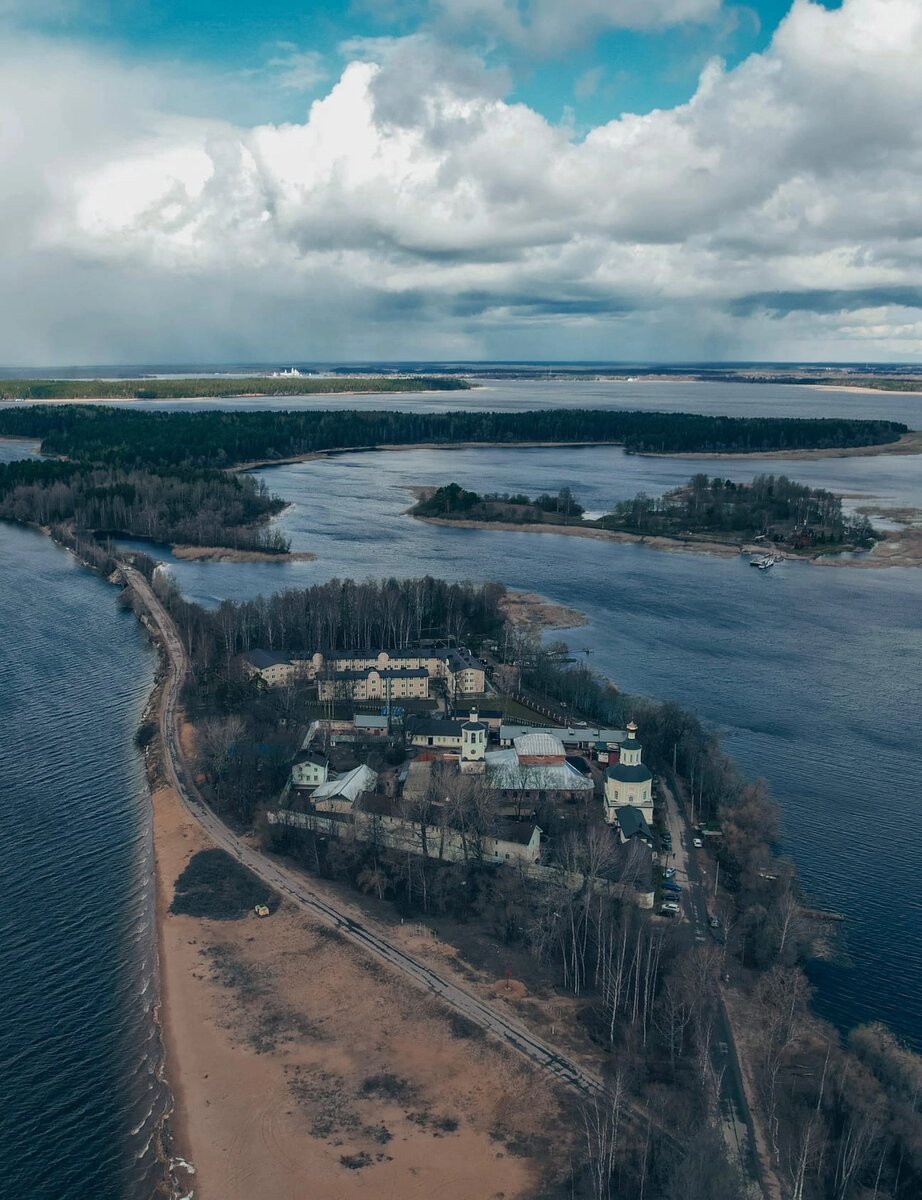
(372, 675)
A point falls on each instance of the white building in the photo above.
(473, 745)
(535, 766)
(309, 769)
(628, 782)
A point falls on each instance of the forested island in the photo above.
(129, 438)
(772, 507)
(193, 387)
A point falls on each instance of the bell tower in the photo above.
(473, 745)
(631, 749)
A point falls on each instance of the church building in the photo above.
(628, 783)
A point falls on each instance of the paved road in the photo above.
(697, 887)
(350, 923)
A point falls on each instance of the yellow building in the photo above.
(628, 783)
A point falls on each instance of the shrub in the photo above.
(216, 886)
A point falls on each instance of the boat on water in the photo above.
(763, 561)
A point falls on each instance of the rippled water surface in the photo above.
(79, 1097)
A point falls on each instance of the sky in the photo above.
(627, 180)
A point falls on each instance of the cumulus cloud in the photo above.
(416, 212)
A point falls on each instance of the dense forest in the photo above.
(198, 507)
(338, 615)
(772, 505)
(224, 386)
(130, 438)
(453, 502)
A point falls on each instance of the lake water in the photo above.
(811, 674)
(79, 1095)
(734, 399)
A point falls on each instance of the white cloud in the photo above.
(416, 212)
(297, 70)
(547, 28)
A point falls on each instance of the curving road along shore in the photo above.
(350, 923)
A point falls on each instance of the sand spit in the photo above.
(301, 1067)
(227, 555)
(903, 549)
(528, 610)
(865, 389)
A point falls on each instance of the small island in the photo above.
(706, 513)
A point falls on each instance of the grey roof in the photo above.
(266, 658)
(622, 774)
(473, 725)
(632, 821)
(567, 733)
(423, 727)
(507, 774)
(369, 721)
(520, 832)
(309, 756)
(349, 786)
(539, 745)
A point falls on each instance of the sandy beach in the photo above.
(301, 1068)
(530, 611)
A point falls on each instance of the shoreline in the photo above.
(30, 400)
(907, 443)
(313, 455)
(902, 550)
(226, 554)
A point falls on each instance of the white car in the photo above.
(669, 906)
(697, 843)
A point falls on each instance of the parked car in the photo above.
(697, 843)
(714, 922)
(669, 906)
(669, 872)
(670, 885)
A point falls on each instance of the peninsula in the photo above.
(197, 387)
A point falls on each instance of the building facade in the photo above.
(386, 683)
